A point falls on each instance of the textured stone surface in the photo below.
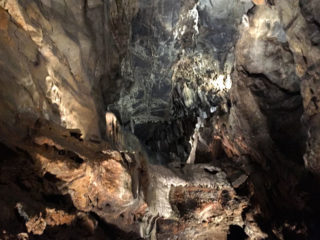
(233, 85)
(268, 119)
(50, 62)
(120, 188)
(178, 60)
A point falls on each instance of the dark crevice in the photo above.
(236, 233)
(265, 78)
(113, 232)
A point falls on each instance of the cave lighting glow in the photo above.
(222, 82)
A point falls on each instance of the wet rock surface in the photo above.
(159, 119)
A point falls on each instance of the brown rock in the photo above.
(259, 2)
(4, 20)
(36, 225)
(55, 217)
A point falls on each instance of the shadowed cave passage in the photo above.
(236, 232)
(182, 120)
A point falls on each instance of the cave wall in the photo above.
(177, 67)
(270, 128)
(239, 77)
(154, 64)
(275, 74)
(159, 65)
(52, 59)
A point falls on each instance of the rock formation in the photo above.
(138, 119)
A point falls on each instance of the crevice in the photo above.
(236, 233)
(265, 78)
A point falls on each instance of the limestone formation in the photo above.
(162, 119)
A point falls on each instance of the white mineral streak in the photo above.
(193, 13)
(184, 21)
(194, 141)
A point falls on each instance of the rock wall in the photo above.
(269, 128)
(234, 84)
(53, 56)
(177, 67)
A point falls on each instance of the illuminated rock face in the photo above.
(49, 63)
(154, 64)
(120, 188)
(223, 94)
(259, 2)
